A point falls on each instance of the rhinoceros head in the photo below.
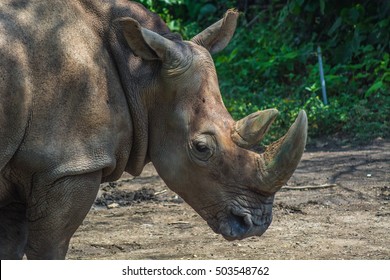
(197, 148)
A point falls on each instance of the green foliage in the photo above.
(272, 61)
(187, 16)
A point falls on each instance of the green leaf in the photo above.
(335, 26)
(291, 55)
(386, 77)
(206, 10)
(322, 7)
(375, 87)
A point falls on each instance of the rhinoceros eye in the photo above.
(203, 146)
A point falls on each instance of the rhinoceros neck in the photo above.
(137, 78)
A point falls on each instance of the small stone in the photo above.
(113, 205)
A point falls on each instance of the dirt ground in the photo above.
(140, 218)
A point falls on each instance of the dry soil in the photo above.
(349, 218)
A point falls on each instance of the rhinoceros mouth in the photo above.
(240, 225)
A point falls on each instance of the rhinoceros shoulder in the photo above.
(63, 110)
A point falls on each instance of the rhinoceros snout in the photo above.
(239, 226)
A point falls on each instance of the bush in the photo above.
(272, 61)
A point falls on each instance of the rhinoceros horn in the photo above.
(250, 130)
(281, 158)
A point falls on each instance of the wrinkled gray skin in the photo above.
(90, 89)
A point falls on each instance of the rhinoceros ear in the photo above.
(145, 43)
(152, 46)
(216, 37)
(132, 32)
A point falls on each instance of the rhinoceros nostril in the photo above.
(240, 224)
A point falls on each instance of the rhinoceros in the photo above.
(90, 89)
